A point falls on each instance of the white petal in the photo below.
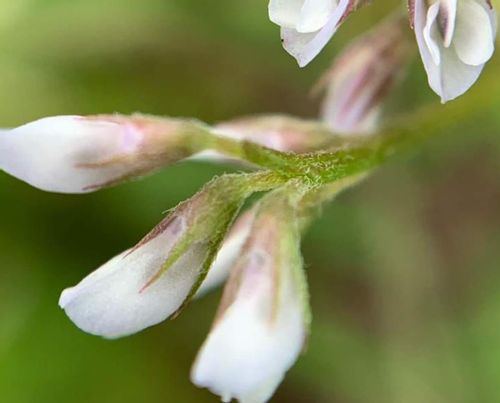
(432, 35)
(452, 77)
(113, 301)
(48, 153)
(246, 358)
(448, 17)
(262, 323)
(306, 46)
(285, 13)
(456, 76)
(314, 15)
(475, 35)
(433, 70)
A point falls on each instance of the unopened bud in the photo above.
(76, 154)
(262, 322)
(282, 133)
(362, 77)
(152, 281)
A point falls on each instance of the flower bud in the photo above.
(147, 284)
(362, 77)
(455, 38)
(308, 25)
(262, 322)
(75, 154)
(282, 133)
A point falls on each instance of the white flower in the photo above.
(262, 323)
(455, 38)
(117, 299)
(308, 25)
(75, 154)
(152, 281)
(362, 77)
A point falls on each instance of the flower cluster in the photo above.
(263, 320)
(455, 37)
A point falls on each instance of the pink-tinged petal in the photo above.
(362, 77)
(279, 132)
(447, 20)
(411, 12)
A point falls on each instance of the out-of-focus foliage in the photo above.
(404, 269)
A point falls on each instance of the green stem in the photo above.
(360, 155)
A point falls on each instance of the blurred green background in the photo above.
(404, 270)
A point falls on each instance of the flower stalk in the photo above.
(345, 157)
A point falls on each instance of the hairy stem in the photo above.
(357, 154)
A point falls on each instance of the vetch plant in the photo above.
(295, 165)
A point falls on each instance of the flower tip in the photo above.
(66, 297)
(63, 154)
(446, 97)
(303, 62)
